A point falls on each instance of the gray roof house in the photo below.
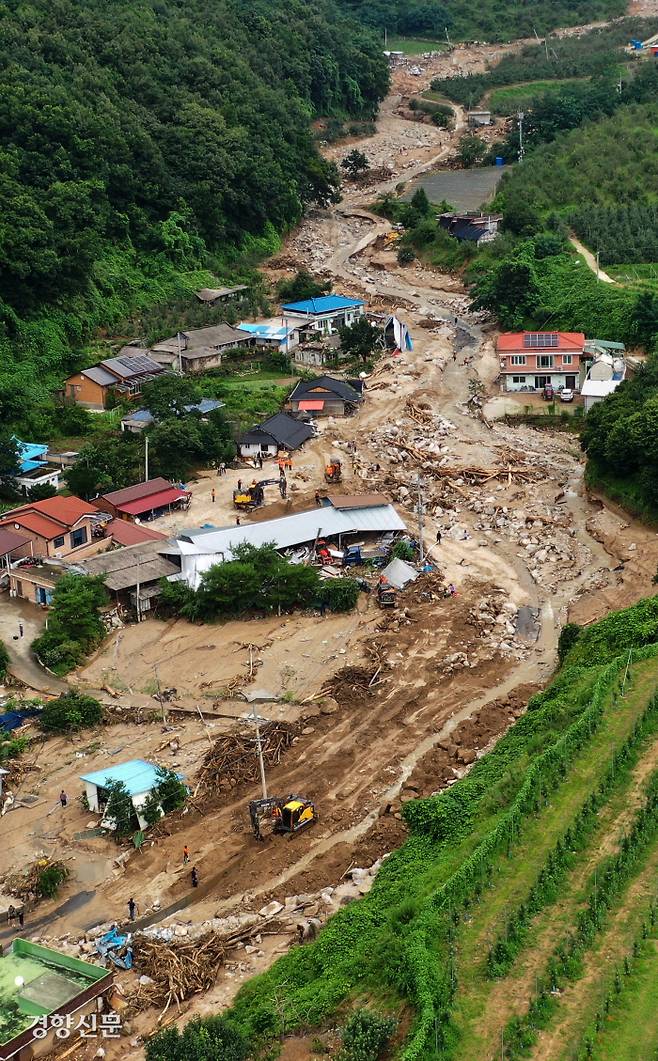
(200, 348)
(280, 431)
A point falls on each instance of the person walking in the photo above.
(132, 908)
(195, 877)
(222, 468)
(63, 798)
(21, 917)
(20, 630)
(438, 537)
(212, 495)
(317, 498)
(11, 914)
(239, 485)
(237, 521)
(454, 355)
(186, 855)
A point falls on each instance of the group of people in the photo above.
(16, 915)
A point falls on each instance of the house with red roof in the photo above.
(529, 361)
(58, 527)
(144, 500)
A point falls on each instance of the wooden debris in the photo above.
(232, 758)
(178, 969)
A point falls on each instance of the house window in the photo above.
(59, 542)
(544, 361)
(518, 379)
(78, 537)
(566, 359)
(518, 359)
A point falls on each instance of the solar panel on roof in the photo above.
(540, 340)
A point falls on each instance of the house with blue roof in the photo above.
(34, 467)
(325, 314)
(141, 418)
(140, 779)
(273, 334)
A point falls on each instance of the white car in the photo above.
(566, 395)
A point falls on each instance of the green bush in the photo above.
(74, 623)
(340, 594)
(207, 1039)
(69, 712)
(169, 794)
(4, 661)
(365, 1036)
(50, 880)
(403, 551)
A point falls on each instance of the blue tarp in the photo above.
(13, 719)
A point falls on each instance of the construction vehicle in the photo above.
(386, 596)
(333, 471)
(289, 815)
(252, 496)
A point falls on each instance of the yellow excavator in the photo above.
(333, 471)
(289, 815)
(251, 496)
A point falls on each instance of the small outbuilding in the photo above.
(273, 334)
(144, 500)
(139, 777)
(215, 296)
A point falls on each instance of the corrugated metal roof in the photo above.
(324, 304)
(131, 493)
(137, 775)
(201, 549)
(99, 375)
(599, 388)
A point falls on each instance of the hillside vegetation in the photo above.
(601, 51)
(526, 862)
(144, 143)
(493, 20)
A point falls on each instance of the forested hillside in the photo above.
(140, 140)
(598, 52)
(490, 19)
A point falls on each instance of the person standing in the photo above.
(20, 630)
(11, 915)
(222, 468)
(195, 877)
(438, 536)
(63, 798)
(132, 908)
(318, 499)
(212, 495)
(239, 485)
(186, 855)
(237, 521)
(21, 917)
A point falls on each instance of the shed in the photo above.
(150, 498)
(211, 296)
(399, 573)
(139, 777)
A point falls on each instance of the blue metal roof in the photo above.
(30, 454)
(137, 775)
(324, 304)
(266, 331)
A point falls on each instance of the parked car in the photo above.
(566, 395)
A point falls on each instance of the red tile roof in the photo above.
(11, 539)
(132, 493)
(146, 504)
(513, 343)
(37, 524)
(124, 533)
(66, 510)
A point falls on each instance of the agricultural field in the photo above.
(414, 45)
(520, 918)
(506, 100)
(643, 276)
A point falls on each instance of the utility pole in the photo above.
(448, 38)
(597, 265)
(385, 38)
(146, 458)
(521, 116)
(138, 606)
(419, 513)
(160, 696)
(180, 354)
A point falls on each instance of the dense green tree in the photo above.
(209, 1039)
(301, 286)
(167, 396)
(472, 150)
(9, 464)
(355, 164)
(70, 711)
(110, 462)
(420, 203)
(119, 809)
(360, 339)
(4, 661)
(74, 622)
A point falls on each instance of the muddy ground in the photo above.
(386, 707)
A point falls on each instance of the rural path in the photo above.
(591, 261)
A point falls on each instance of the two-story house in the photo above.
(531, 360)
(57, 527)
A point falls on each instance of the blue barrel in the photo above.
(500, 161)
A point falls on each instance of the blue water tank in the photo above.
(500, 161)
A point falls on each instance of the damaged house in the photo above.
(326, 396)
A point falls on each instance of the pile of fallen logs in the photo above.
(512, 470)
(26, 885)
(176, 969)
(233, 757)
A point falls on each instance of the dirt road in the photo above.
(400, 703)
